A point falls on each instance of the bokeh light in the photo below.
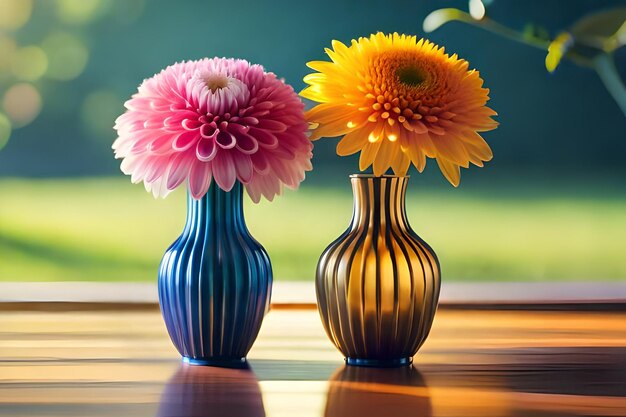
(14, 13)
(79, 12)
(99, 111)
(29, 63)
(5, 130)
(67, 56)
(7, 49)
(22, 104)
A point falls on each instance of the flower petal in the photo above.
(225, 140)
(244, 167)
(224, 170)
(452, 149)
(185, 140)
(266, 139)
(260, 163)
(179, 168)
(352, 142)
(368, 154)
(199, 179)
(206, 149)
(247, 144)
(450, 170)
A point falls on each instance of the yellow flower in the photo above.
(398, 100)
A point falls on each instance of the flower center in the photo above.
(410, 76)
(216, 82)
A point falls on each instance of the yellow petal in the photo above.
(321, 66)
(352, 142)
(426, 143)
(401, 164)
(450, 170)
(368, 154)
(313, 93)
(385, 156)
(452, 149)
(330, 130)
(477, 146)
(417, 157)
(329, 112)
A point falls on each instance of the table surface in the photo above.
(475, 363)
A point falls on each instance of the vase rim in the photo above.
(378, 176)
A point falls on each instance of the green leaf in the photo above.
(605, 30)
(534, 31)
(440, 17)
(557, 49)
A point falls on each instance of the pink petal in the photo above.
(206, 149)
(179, 168)
(185, 140)
(161, 145)
(237, 129)
(199, 179)
(224, 170)
(226, 140)
(191, 124)
(266, 139)
(208, 130)
(244, 167)
(156, 169)
(260, 163)
(247, 144)
(273, 125)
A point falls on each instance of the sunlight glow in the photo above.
(15, 13)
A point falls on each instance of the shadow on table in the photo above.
(195, 391)
(365, 392)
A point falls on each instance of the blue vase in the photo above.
(215, 282)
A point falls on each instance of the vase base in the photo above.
(222, 363)
(380, 363)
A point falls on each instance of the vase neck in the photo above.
(378, 200)
(216, 208)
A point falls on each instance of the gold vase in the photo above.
(378, 283)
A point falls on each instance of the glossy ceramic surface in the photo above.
(378, 283)
(215, 282)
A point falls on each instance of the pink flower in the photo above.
(214, 119)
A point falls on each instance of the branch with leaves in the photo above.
(591, 42)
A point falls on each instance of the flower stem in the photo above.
(514, 35)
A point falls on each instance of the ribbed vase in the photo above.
(215, 282)
(378, 283)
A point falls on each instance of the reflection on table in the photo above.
(198, 391)
(475, 363)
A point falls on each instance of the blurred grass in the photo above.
(106, 229)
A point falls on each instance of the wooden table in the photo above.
(475, 363)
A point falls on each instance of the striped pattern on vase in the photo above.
(215, 281)
(378, 283)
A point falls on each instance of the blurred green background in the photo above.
(550, 206)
